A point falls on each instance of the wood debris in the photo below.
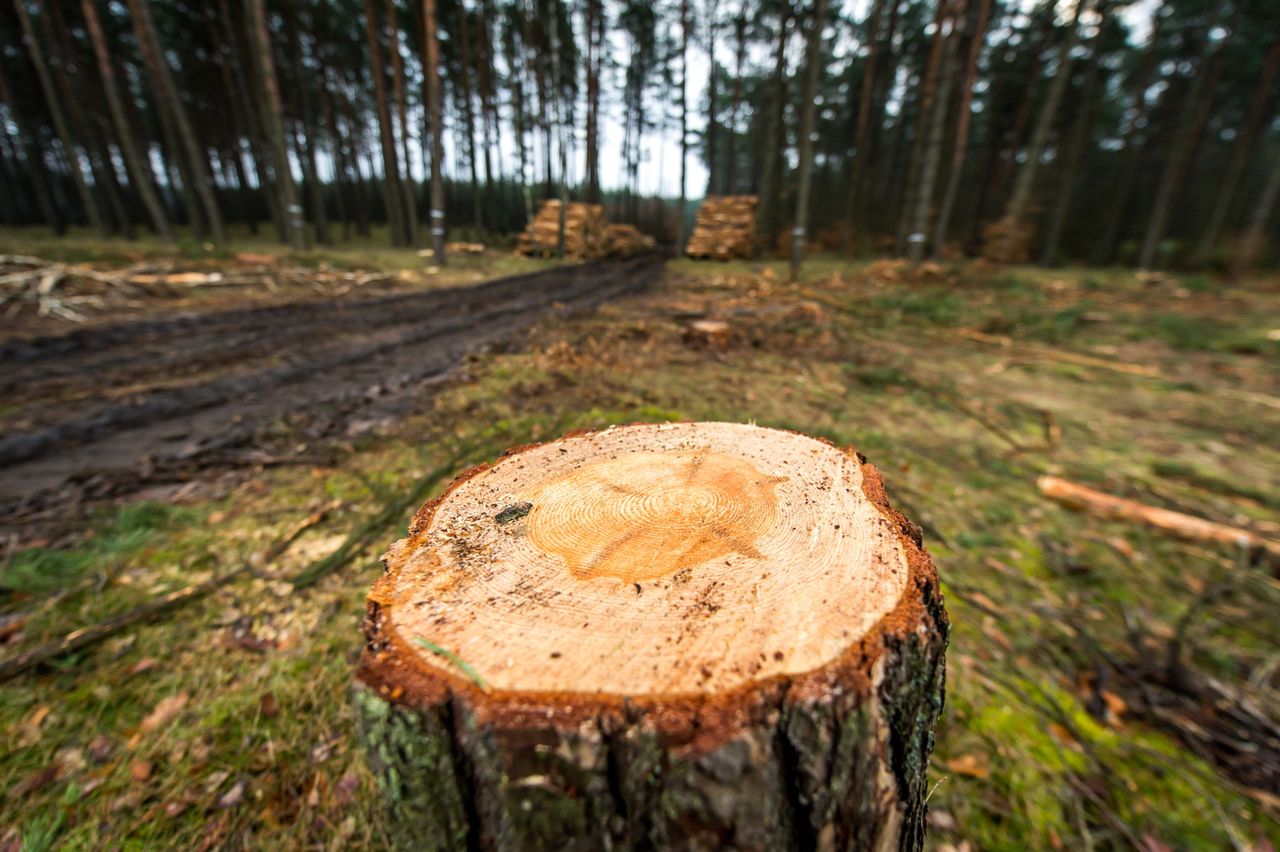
(1176, 524)
(585, 234)
(725, 228)
(623, 240)
(463, 248)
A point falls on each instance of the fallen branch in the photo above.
(1176, 524)
(94, 633)
(1059, 354)
(393, 511)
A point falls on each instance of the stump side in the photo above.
(831, 758)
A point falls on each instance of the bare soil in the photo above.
(113, 409)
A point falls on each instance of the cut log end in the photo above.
(691, 631)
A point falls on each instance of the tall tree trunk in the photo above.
(139, 169)
(1240, 152)
(432, 67)
(713, 147)
(469, 117)
(1118, 203)
(1194, 112)
(813, 68)
(595, 51)
(920, 131)
(162, 78)
(273, 121)
(1002, 150)
(59, 119)
(305, 141)
(731, 154)
(397, 79)
(1255, 235)
(963, 122)
(933, 142)
(1081, 131)
(556, 90)
(392, 193)
(1015, 214)
(684, 123)
(862, 128)
(31, 150)
(775, 133)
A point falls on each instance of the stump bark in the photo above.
(676, 636)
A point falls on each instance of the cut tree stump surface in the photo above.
(696, 634)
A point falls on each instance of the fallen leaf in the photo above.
(33, 781)
(175, 809)
(269, 706)
(346, 788)
(140, 770)
(100, 750)
(164, 713)
(69, 760)
(146, 664)
(969, 765)
(233, 797)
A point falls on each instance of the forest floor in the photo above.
(1107, 687)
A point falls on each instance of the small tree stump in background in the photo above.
(697, 635)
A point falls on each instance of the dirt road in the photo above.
(110, 410)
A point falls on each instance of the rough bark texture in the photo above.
(834, 758)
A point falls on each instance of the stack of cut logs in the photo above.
(725, 228)
(584, 231)
(625, 240)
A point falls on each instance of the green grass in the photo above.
(870, 370)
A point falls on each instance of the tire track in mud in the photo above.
(241, 371)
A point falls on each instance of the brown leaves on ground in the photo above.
(969, 765)
(164, 713)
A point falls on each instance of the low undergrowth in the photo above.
(229, 723)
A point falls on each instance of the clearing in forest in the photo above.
(1107, 684)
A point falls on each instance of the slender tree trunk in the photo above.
(31, 150)
(397, 78)
(432, 67)
(1002, 152)
(595, 50)
(386, 132)
(1251, 244)
(963, 122)
(684, 123)
(162, 78)
(60, 126)
(556, 90)
(272, 119)
(1081, 131)
(775, 133)
(813, 68)
(1240, 152)
(1118, 203)
(139, 169)
(305, 141)
(933, 143)
(469, 117)
(713, 146)
(1195, 111)
(862, 127)
(731, 152)
(929, 93)
(1016, 212)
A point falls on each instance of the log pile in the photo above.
(725, 228)
(585, 234)
(625, 240)
(593, 644)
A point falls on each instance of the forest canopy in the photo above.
(1049, 130)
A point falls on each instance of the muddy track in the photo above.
(108, 410)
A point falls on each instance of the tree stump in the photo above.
(676, 636)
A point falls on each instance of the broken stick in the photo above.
(85, 636)
(1176, 524)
